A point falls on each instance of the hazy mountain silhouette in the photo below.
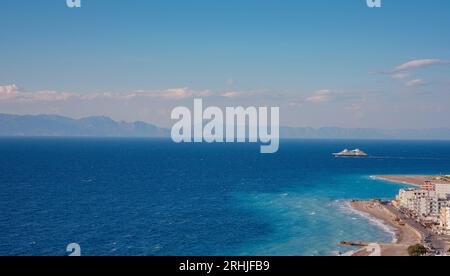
(53, 125)
(365, 133)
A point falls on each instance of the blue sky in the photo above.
(324, 62)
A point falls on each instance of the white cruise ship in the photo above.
(351, 153)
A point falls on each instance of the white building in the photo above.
(407, 198)
(442, 189)
(430, 204)
(422, 203)
(429, 207)
(411, 199)
(445, 220)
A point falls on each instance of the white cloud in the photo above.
(245, 94)
(8, 91)
(177, 93)
(403, 71)
(172, 94)
(417, 64)
(401, 75)
(51, 96)
(231, 94)
(321, 96)
(415, 83)
(11, 92)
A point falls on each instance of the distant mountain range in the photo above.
(58, 126)
(366, 133)
(51, 125)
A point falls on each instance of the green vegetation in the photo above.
(441, 177)
(417, 250)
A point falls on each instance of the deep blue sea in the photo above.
(153, 197)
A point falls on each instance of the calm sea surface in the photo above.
(153, 197)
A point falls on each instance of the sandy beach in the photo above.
(406, 235)
(415, 180)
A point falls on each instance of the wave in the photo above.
(347, 207)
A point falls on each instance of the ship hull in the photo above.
(350, 156)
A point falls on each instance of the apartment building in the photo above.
(445, 220)
(442, 189)
(409, 199)
(425, 204)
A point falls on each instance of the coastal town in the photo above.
(420, 216)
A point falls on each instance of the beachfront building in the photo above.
(410, 199)
(445, 220)
(428, 186)
(422, 204)
(442, 189)
(406, 198)
(429, 207)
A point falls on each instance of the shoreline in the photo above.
(374, 221)
(405, 234)
(413, 180)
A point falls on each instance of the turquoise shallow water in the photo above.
(153, 197)
(314, 223)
